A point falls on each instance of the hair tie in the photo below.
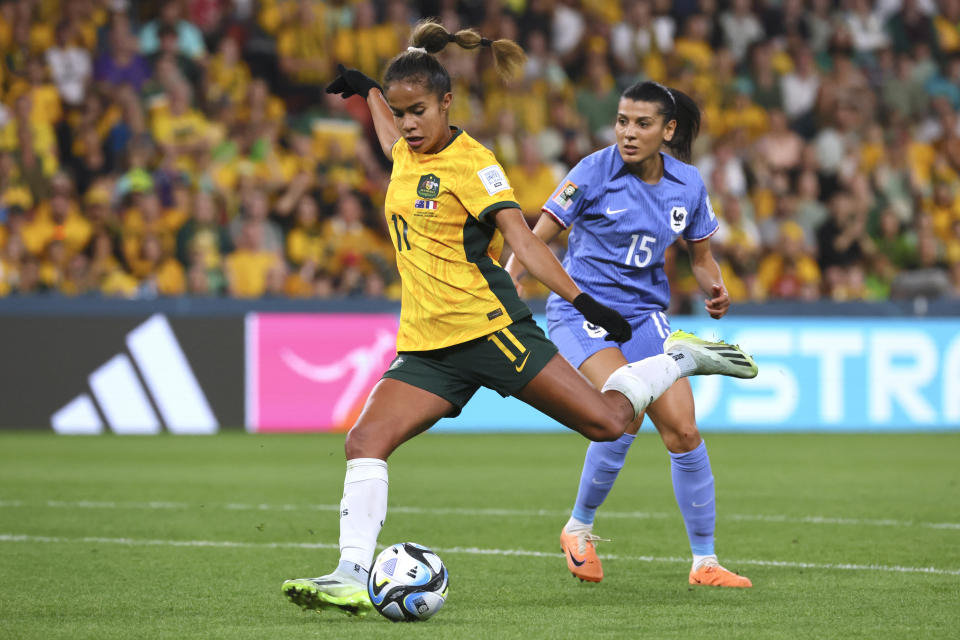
(486, 42)
(451, 37)
(417, 49)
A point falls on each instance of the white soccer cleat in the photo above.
(711, 358)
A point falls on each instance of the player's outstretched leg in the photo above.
(644, 381)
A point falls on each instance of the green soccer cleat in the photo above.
(712, 358)
(333, 591)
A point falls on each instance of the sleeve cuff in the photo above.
(702, 238)
(554, 216)
(497, 206)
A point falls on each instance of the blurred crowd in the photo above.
(186, 147)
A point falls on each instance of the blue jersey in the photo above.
(622, 226)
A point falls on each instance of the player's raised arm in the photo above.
(350, 82)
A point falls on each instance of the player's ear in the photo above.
(669, 130)
(445, 101)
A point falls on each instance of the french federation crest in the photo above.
(678, 219)
(429, 186)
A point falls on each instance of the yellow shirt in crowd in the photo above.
(532, 189)
(75, 233)
(247, 272)
(307, 42)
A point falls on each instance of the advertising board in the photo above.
(816, 374)
(313, 372)
(123, 374)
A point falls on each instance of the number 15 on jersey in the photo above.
(640, 251)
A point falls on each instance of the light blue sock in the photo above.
(600, 468)
(693, 487)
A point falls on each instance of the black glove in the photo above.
(618, 329)
(351, 82)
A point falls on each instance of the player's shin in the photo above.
(694, 489)
(644, 381)
(363, 510)
(602, 464)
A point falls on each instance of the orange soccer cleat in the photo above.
(712, 574)
(581, 555)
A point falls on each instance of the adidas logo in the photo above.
(140, 393)
(730, 354)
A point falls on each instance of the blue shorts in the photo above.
(577, 339)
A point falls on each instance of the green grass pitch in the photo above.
(844, 536)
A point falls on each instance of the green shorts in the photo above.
(505, 361)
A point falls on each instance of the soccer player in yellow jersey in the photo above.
(449, 208)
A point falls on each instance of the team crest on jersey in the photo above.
(567, 194)
(429, 186)
(678, 219)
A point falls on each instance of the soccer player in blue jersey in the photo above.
(625, 205)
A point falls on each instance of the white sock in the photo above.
(684, 360)
(353, 570)
(362, 510)
(644, 381)
(576, 525)
(699, 560)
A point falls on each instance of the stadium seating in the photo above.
(174, 148)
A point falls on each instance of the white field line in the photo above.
(230, 544)
(506, 513)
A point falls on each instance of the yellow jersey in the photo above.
(453, 287)
(248, 272)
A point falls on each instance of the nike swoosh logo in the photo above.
(610, 213)
(702, 505)
(574, 560)
(594, 481)
(523, 363)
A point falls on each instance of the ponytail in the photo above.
(687, 115)
(431, 37)
(508, 56)
(674, 105)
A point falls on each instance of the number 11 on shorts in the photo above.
(522, 355)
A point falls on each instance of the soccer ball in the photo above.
(408, 582)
